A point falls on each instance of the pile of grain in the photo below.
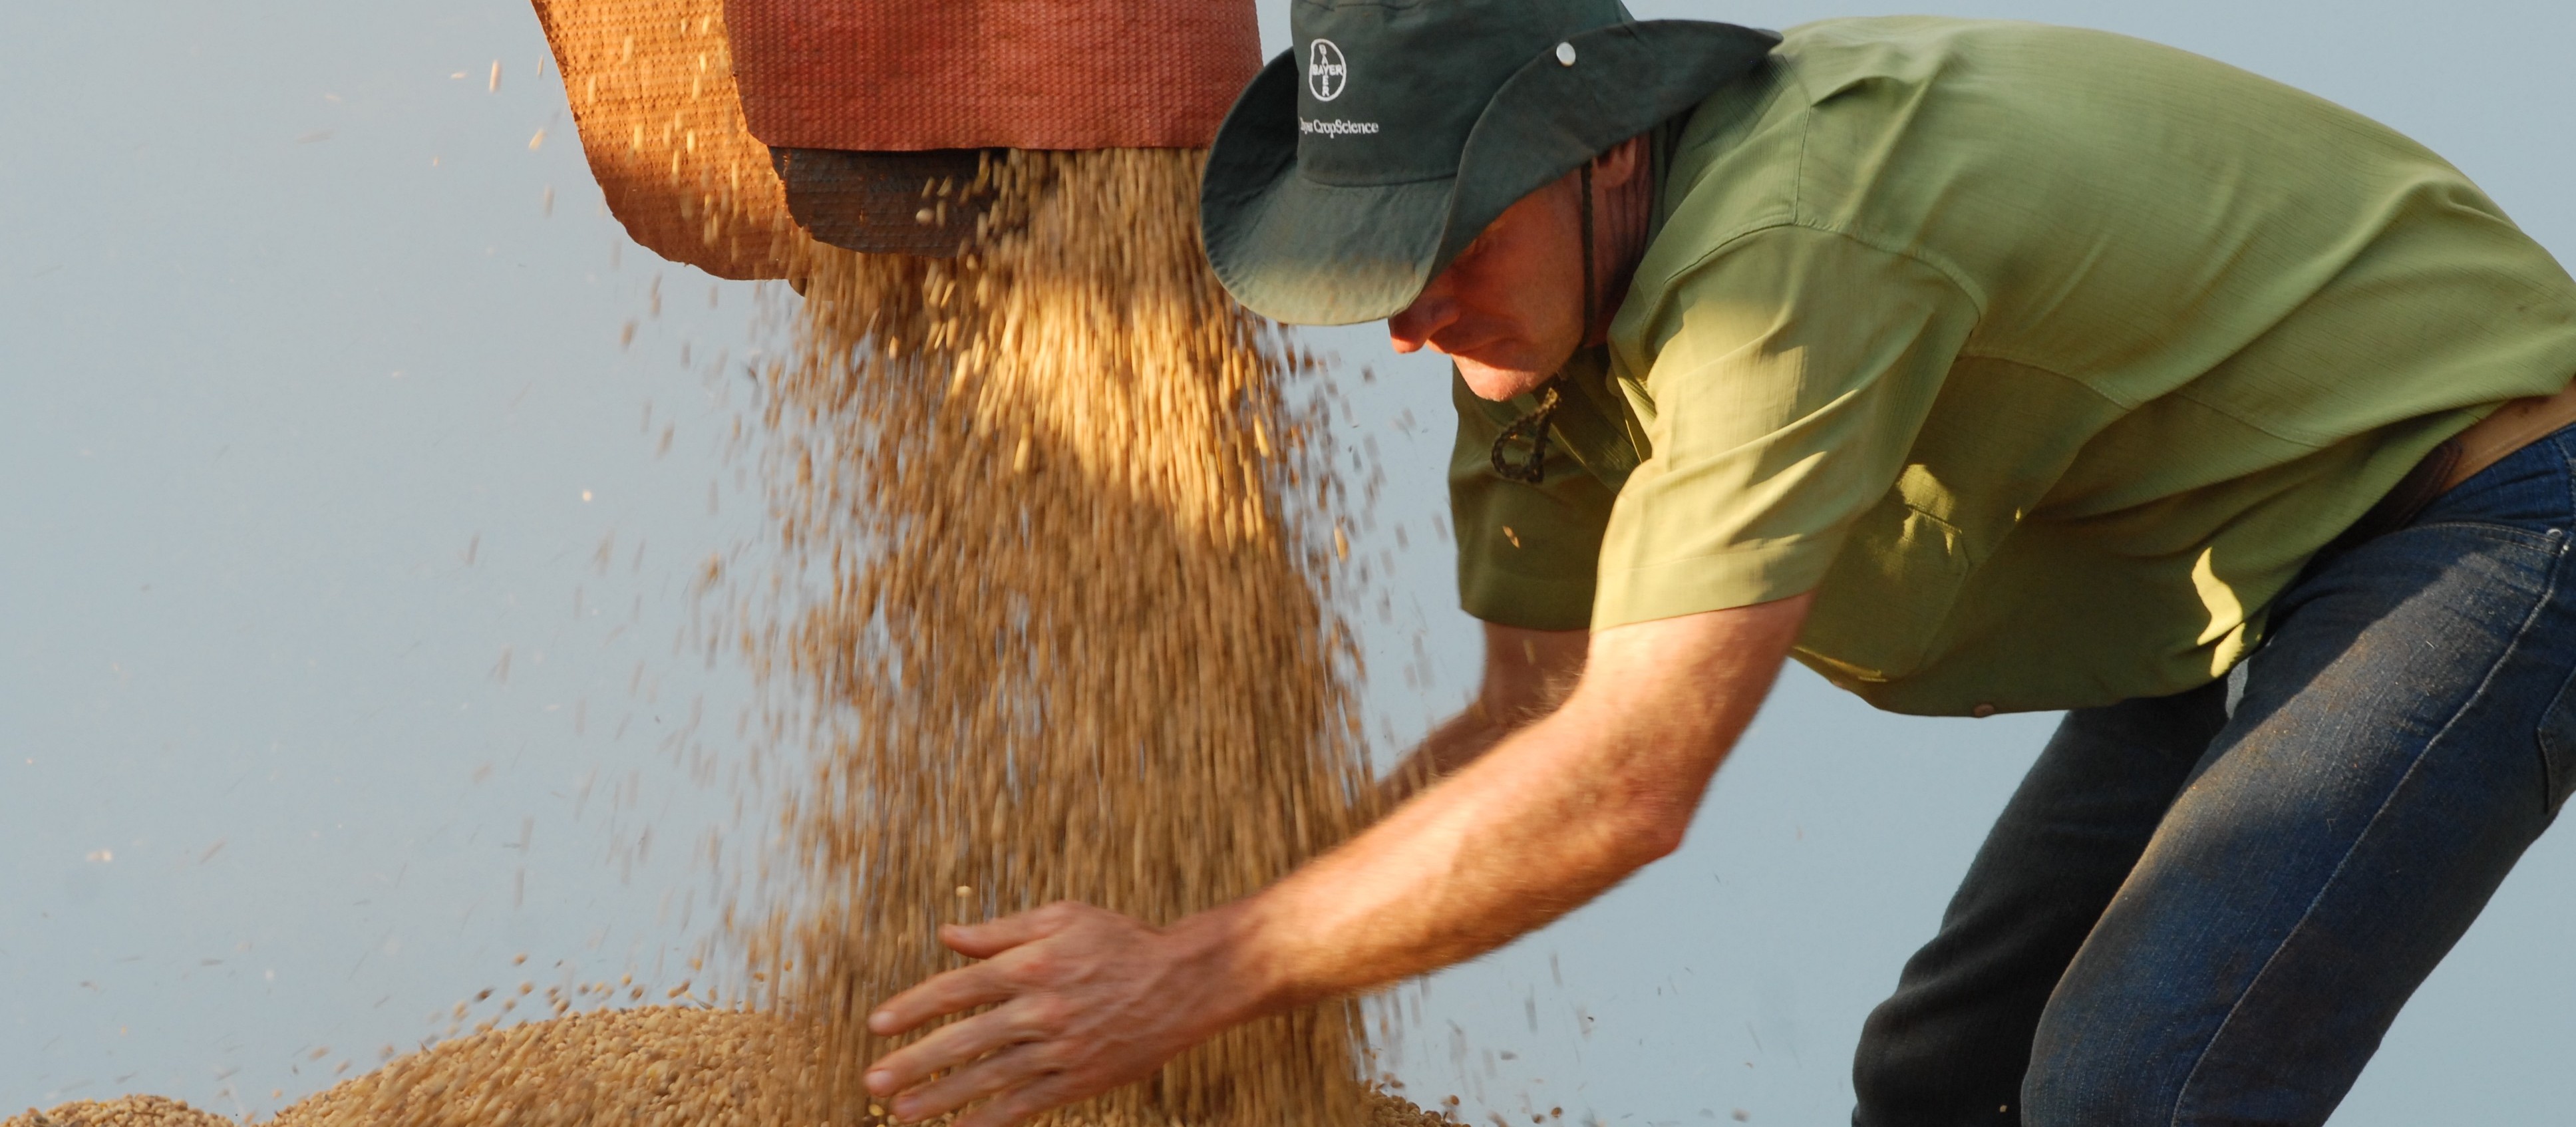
(650, 1067)
(124, 1111)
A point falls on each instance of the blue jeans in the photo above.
(2192, 914)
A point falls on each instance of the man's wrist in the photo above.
(1246, 979)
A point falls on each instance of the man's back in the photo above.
(2135, 218)
(2130, 333)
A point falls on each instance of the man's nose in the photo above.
(1414, 327)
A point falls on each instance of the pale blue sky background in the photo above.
(311, 412)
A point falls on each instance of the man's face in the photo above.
(1509, 309)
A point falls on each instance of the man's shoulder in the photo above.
(1931, 134)
(1829, 57)
(1741, 155)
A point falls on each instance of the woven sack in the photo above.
(1022, 74)
(652, 92)
(726, 135)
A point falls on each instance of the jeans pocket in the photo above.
(2558, 746)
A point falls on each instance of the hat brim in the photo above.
(1307, 253)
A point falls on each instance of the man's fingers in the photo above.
(992, 937)
(1053, 1089)
(972, 986)
(948, 1047)
(1041, 970)
(1000, 1072)
(962, 989)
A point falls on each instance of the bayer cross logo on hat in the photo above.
(1326, 73)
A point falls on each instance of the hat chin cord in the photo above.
(1536, 424)
(1591, 296)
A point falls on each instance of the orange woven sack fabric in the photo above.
(652, 92)
(960, 74)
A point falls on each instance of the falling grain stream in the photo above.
(1055, 621)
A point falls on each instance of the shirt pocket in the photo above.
(1886, 597)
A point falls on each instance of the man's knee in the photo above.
(2097, 1070)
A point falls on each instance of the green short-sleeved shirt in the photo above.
(2044, 357)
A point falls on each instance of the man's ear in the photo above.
(1622, 163)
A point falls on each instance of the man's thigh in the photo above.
(1950, 1047)
(2385, 768)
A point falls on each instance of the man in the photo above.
(1981, 367)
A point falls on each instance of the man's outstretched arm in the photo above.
(1085, 1000)
(1528, 673)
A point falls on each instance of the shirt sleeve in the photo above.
(1791, 369)
(1526, 552)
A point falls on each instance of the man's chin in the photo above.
(1498, 384)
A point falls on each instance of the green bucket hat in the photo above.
(1367, 155)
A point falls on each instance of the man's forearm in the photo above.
(1556, 814)
(1527, 674)
(1457, 742)
(1500, 849)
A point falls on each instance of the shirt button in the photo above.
(1982, 711)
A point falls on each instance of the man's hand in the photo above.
(1087, 1000)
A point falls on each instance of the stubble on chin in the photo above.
(1499, 384)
